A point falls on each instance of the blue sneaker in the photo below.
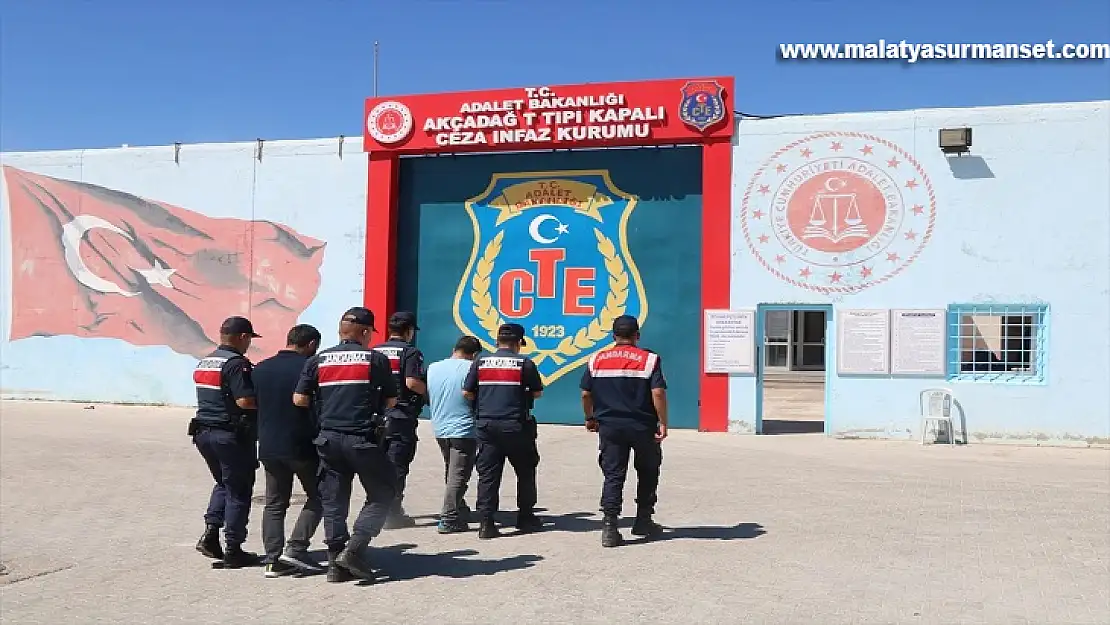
(452, 527)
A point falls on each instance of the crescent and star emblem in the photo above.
(72, 234)
(534, 229)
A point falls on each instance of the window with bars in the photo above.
(1004, 344)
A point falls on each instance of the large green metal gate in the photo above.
(560, 242)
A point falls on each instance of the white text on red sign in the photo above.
(546, 118)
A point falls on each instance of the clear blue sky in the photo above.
(98, 73)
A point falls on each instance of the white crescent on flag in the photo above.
(72, 234)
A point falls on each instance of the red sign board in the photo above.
(564, 117)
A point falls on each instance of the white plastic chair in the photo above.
(936, 405)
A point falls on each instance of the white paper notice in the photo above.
(863, 342)
(918, 342)
(730, 341)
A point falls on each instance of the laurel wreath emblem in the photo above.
(594, 332)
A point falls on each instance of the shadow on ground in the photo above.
(739, 531)
(590, 522)
(399, 563)
(771, 426)
(585, 522)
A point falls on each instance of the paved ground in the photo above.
(794, 406)
(100, 508)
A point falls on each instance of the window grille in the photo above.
(997, 343)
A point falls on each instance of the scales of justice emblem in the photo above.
(845, 223)
(550, 253)
(838, 212)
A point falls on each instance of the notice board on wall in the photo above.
(729, 341)
(863, 342)
(918, 342)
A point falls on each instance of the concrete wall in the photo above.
(1025, 219)
(276, 239)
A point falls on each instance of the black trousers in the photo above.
(342, 457)
(279, 489)
(616, 443)
(499, 441)
(400, 447)
(232, 463)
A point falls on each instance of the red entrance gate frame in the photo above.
(694, 111)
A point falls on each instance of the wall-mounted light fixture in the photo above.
(955, 140)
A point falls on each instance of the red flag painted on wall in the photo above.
(91, 261)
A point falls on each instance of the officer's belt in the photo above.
(371, 436)
(407, 411)
(227, 427)
(525, 420)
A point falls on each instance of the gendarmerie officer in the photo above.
(353, 386)
(223, 432)
(624, 397)
(407, 364)
(503, 386)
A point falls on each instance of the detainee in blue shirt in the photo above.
(453, 421)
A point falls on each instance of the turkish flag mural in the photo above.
(90, 261)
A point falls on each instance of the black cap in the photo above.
(361, 316)
(238, 325)
(403, 319)
(511, 332)
(625, 326)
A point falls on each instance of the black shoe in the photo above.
(644, 526)
(277, 568)
(487, 529)
(236, 558)
(209, 543)
(399, 520)
(300, 561)
(353, 558)
(336, 572)
(610, 535)
(528, 522)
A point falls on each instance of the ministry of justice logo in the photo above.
(389, 122)
(838, 212)
(550, 253)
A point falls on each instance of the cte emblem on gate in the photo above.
(702, 104)
(550, 253)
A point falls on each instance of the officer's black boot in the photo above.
(527, 522)
(644, 526)
(236, 558)
(337, 572)
(610, 534)
(487, 529)
(354, 559)
(209, 543)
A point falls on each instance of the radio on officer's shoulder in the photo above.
(194, 428)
